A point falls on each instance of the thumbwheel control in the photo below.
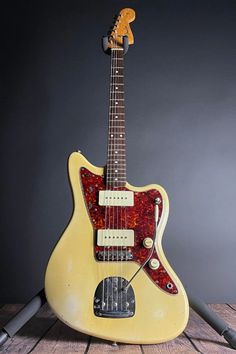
(154, 263)
(148, 242)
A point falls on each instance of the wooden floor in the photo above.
(45, 334)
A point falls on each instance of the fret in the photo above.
(116, 173)
(117, 124)
(120, 144)
(115, 127)
(116, 114)
(117, 106)
(123, 165)
(118, 127)
(118, 178)
(112, 135)
(117, 157)
(117, 80)
(117, 98)
(113, 180)
(117, 95)
(120, 169)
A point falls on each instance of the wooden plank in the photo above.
(204, 337)
(30, 334)
(225, 312)
(233, 306)
(7, 312)
(61, 339)
(45, 334)
(102, 346)
(179, 345)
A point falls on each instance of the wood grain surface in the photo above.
(45, 334)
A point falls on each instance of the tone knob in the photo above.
(148, 242)
(154, 263)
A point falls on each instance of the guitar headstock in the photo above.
(121, 28)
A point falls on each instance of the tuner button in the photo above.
(148, 242)
(154, 263)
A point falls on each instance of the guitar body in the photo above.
(74, 270)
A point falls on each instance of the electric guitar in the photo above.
(108, 276)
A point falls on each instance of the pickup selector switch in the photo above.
(154, 263)
(148, 242)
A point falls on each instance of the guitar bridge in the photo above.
(113, 300)
(114, 255)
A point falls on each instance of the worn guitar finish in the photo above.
(108, 275)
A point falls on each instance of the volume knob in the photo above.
(148, 242)
(154, 263)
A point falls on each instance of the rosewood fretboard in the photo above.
(116, 155)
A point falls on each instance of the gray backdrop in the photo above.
(181, 124)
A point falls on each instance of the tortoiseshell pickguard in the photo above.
(139, 218)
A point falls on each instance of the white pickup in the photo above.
(116, 198)
(113, 237)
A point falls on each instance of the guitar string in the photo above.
(116, 156)
(107, 207)
(118, 179)
(121, 132)
(111, 162)
(111, 179)
(115, 180)
(124, 208)
(114, 132)
(124, 173)
(114, 146)
(105, 221)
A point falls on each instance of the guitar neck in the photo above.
(116, 155)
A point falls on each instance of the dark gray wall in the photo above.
(181, 125)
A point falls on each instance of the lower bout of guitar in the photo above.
(73, 275)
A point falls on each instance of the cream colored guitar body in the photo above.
(73, 274)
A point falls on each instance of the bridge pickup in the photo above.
(114, 237)
(116, 198)
(114, 255)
